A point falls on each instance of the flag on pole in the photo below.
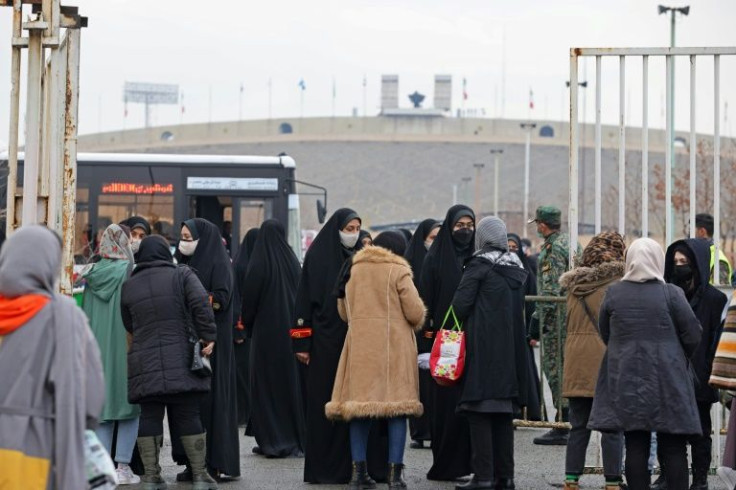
(241, 88)
(182, 103)
(365, 81)
(531, 99)
(465, 89)
(302, 85)
(334, 88)
(125, 112)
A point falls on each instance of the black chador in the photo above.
(320, 332)
(242, 337)
(211, 263)
(269, 291)
(416, 251)
(441, 274)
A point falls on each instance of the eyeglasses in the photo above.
(460, 225)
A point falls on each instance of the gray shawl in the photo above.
(53, 388)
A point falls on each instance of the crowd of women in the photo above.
(328, 360)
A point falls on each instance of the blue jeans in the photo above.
(127, 434)
(359, 430)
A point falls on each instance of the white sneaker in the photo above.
(126, 475)
(727, 475)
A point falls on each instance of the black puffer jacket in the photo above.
(154, 310)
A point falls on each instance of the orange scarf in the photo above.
(15, 312)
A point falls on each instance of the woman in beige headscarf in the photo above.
(644, 383)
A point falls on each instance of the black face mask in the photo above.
(682, 275)
(462, 236)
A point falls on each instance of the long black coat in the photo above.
(490, 302)
(644, 382)
(708, 303)
(154, 311)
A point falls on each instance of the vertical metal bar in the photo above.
(55, 136)
(668, 159)
(496, 173)
(717, 168)
(598, 145)
(69, 177)
(12, 180)
(33, 128)
(572, 216)
(622, 146)
(693, 149)
(645, 149)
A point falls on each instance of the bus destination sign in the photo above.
(231, 184)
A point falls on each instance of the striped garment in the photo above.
(723, 375)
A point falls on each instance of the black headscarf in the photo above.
(137, 222)
(416, 250)
(321, 269)
(153, 252)
(210, 260)
(361, 236)
(395, 241)
(407, 234)
(443, 266)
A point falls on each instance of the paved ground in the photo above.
(537, 467)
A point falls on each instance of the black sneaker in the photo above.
(555, 437)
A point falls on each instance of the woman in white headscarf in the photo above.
(52, 388)
(645, 384)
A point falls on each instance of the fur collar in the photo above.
(590, 275)
(378, 255)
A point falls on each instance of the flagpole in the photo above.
(269, 97)
(365, 103)
(464, 96)
(334, 95)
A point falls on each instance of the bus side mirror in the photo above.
(321, 212)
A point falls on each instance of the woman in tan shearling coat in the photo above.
(377, 377)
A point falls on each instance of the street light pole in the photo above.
(671, 123)
(476, 203)
(496, 161)
(528, 127)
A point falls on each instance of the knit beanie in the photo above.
(491, 232)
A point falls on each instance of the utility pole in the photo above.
(477, 205)
(528, 127)
(496, 152)
(671, 120)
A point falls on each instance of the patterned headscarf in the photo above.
(115, 244)
(608, 246)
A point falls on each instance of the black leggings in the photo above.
(183, 411)
(492, 441)
(673, 453)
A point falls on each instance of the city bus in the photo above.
(234, 192)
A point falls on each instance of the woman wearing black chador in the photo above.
(441, 274)
(318, 337)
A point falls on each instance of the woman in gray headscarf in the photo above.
(490, 302)
(53, 389)
(644, 382)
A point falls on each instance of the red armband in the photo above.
(300, 333)
(429, 334)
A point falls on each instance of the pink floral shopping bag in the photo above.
(447, 360)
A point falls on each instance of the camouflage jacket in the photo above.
(553, 262)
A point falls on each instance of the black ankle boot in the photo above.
(360, 479)
(700, 479)
(395, 479)
(476, 484)
(505, 484)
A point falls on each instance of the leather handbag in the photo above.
(201, 365)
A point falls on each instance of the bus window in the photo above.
(253, 213)
(157, 209)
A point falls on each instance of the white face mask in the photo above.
(427, 244)
(188, 248)
(349, 239)
(135, 245)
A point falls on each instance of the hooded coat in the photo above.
(708, 304)
(650, 331)
(211, 263)
(584, 349)
(377, 376)
(269, 289)
(101, 303)
(327, 448)
(441, 274)
(56, 389)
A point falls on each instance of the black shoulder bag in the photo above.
(201, 365)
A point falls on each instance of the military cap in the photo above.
(549, 215)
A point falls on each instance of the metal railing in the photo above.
(645, 54)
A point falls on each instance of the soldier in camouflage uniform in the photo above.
(553, 262)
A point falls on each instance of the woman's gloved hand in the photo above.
(423, 361)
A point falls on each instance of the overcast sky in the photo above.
(211, 48)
